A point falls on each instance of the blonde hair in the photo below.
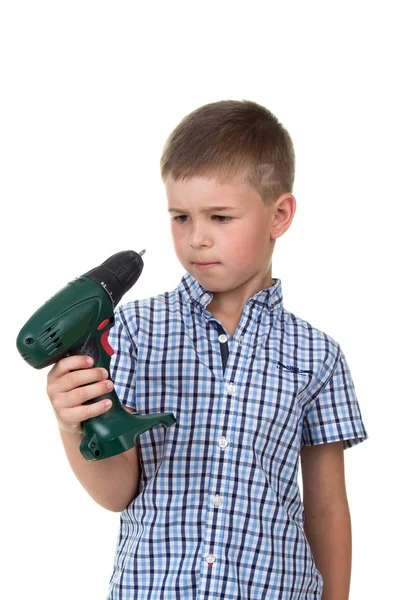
(232, 140)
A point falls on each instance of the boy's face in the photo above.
(239, 239)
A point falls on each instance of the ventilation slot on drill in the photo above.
(50, 339)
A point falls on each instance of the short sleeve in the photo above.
(335, 413)
(123, 361)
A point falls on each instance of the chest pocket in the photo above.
(272, 410)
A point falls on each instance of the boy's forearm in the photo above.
(112, 482)
(329, 536)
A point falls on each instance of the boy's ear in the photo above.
(284, 210)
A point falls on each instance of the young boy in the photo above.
(210, 507)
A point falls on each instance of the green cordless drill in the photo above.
(77, 320)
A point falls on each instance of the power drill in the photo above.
(77, 320)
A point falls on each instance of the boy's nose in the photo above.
(199, 236)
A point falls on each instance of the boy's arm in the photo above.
(112, 482)
(327, 523)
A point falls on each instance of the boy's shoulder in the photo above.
(157, 302)
(152, 307)
(299, 326)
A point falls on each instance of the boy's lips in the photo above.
(206, 265)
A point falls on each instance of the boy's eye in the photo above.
(218, 217)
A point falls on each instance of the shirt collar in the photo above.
(193, 291)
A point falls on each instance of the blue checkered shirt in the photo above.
(219, 513)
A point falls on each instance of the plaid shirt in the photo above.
(219, 513)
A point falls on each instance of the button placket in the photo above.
(217, 502)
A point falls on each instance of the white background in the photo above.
(89, 93)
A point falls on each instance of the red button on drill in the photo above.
(103, 324)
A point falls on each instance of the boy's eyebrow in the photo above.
(206, 209)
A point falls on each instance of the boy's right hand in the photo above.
(66, 395)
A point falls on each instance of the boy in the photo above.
(210, 507)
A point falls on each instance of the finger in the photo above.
(69, 363)
(70, 417)
(75, 379)
(79, 395)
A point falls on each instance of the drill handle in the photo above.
(98, 347)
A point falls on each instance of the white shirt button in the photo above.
(217, 500)
(222, 338)
(231, 388)
(222, 442)
(210, 558)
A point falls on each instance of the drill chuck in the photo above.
(118, 273)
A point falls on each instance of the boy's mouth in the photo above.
(206, 265)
